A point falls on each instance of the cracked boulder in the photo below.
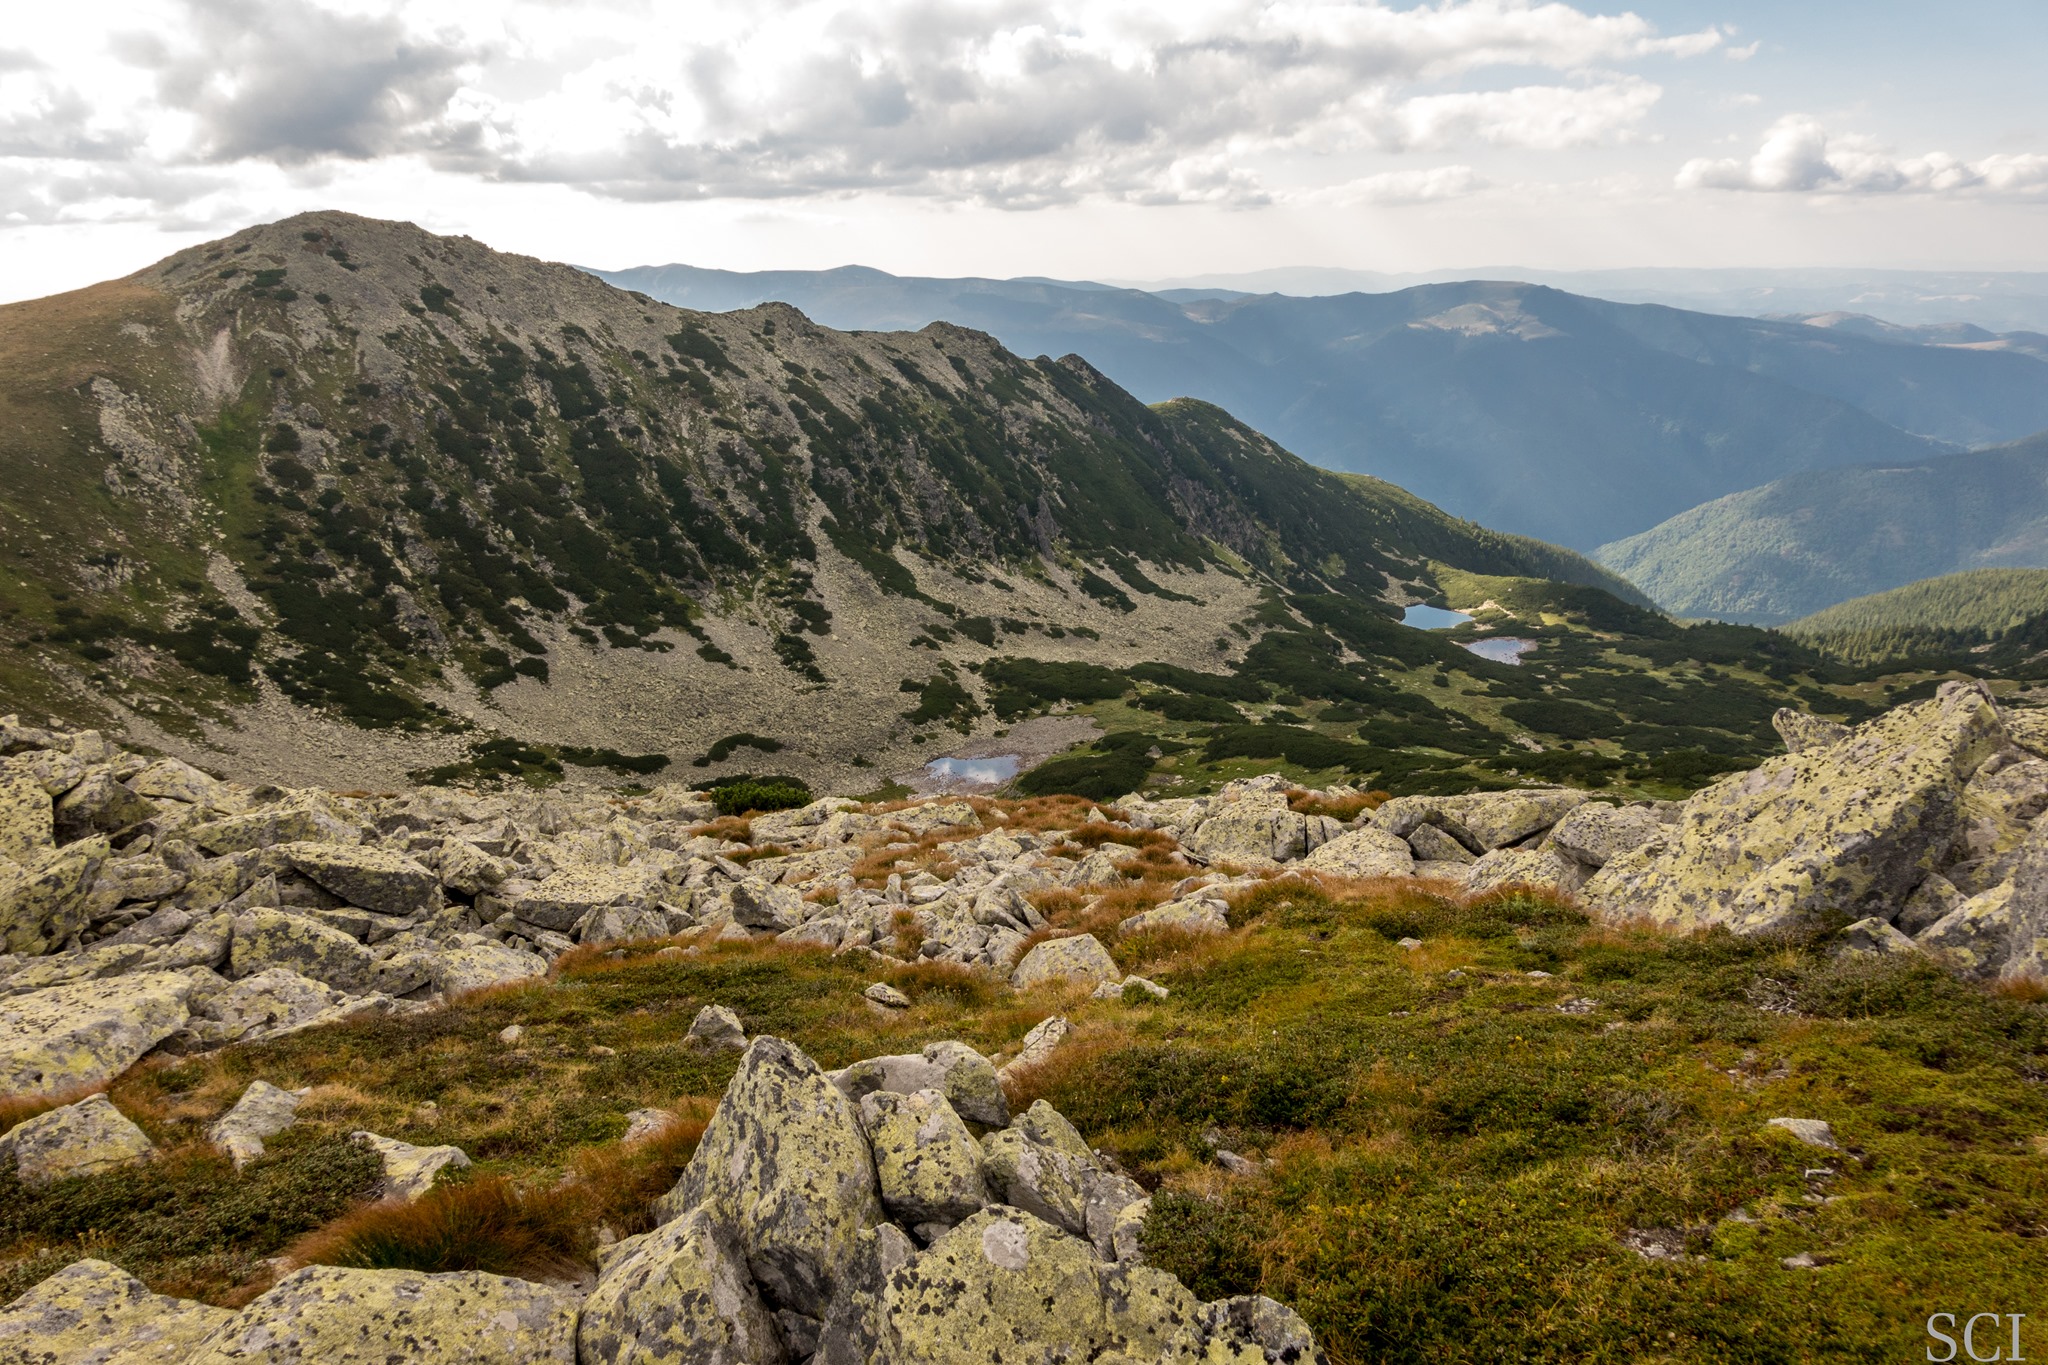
(93, 1313)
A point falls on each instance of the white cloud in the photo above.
(1015, 103)
(1403, 187)
(1800, 155)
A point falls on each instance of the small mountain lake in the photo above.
(1501, 649)
(1432, 618)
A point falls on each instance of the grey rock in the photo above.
(1595, 834)
(716, 1029)
(410, 1171)
(1080, 959)
(928, 1165)
(967, 1079)
(1804, 733)
(263, 1111)
(1195, 915)
(93, 1313)
(1872, 937)
(1812, 1132)
(887, 996)
(265, 939)
(373, 878)
(85, 1138)
(83, 1034)
(1433, 844)
(681, 1295)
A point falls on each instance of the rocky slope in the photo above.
(336, 496)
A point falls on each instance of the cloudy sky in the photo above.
(1127, 139)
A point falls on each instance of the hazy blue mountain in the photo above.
(1573, 419)
(1803, 543)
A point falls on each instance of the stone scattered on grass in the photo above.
(263, 1111)
(887, 996)
(1812, 1132)
(93, 1313)
(409, 1171)
(642, 1124)
(1080, 960)
(716, 1029)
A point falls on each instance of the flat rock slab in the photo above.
(373, 878)
(93, 1313)
(265, 1110)
(88, 1032)
(332, 1316)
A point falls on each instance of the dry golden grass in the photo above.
(1345, 808)
(19, 1108)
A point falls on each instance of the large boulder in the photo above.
(88, 1032)
(373, 878)
(99, 804)
(1249, 824)
(1364, 853)
(479, 966)
(78, 1139)
(679, 1295)
(93, 1313)
(784, 1161)
(928, 1165)
(43, 899)
(176, 780)
(2002, 931)
(308, 818)
(267, 938)
(1851, 827)
(268, 1004)
(1080, 960)
(326, 1315)
(562, 899)
(1524, 867)
(1005, 1285)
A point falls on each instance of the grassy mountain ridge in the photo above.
(1975, 612)
(1523, 407)
(1792, 547)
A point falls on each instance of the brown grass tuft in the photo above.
(2029, 989)
(1345, 808)
(20, 1108)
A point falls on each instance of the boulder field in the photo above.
(833, 1218)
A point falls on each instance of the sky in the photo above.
(1107, 139)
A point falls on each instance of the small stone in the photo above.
(887, 996)
(1579, 1004)
(1803, 1261)
(1039, 1044)
(1812, 1132)
(642, 1124)
(716, 1029)
(1539, 976)
(1235, 1164)
(511, 1034)
(264, 1110)
(409, 1171)
(600, 1050)
(1411, 944)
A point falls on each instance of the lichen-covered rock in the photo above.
(468, 869)
(1364, 853)
(1007, 1286)
(265, 1110)
(176, 780)
(716, 1029)
(1524, 867)
(326, 1315)
(1804, 732)
(410, 1171)
(784, 1161)
(305, 819)
(1080, 959)
(266, 938)
(373, 878)
(99, 804)
(760, 905)
(1038, 1177)
(78, 1139)
(1872, 937)
(1434, 844)
(1596, 833)
(91, 1031)
(928, 1166)
(1251, 825)
(681, 1295)
(562, 899)
(1851, 827)
(479, 966)
(967, 1079)
(1498, 819)
(1038, 1046)
(27, 826)
(43, 897)
(1195, 915)
(1932, 901)
(93, 1313)
(269, 1004)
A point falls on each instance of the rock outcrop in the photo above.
(92, 1313)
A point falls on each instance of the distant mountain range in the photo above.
(1799, 544)
(1998, 301)
(1576, 420)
